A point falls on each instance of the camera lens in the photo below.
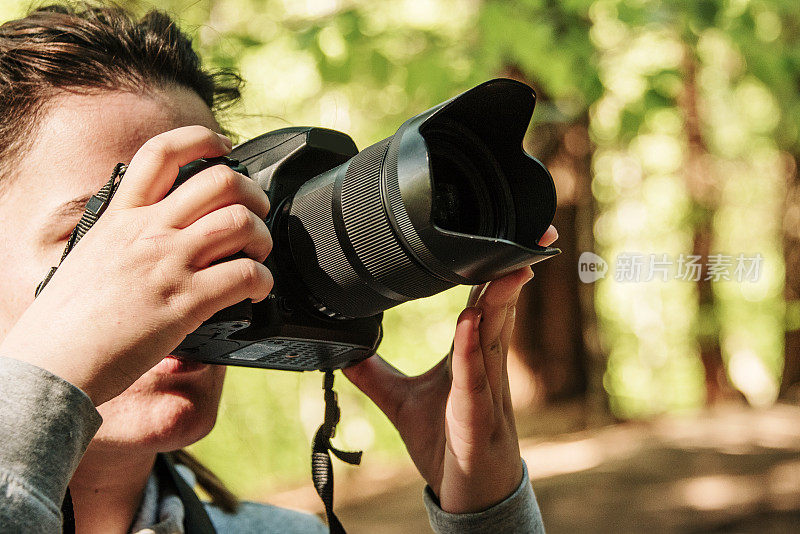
(468, 193)
(451, 198)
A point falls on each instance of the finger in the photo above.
(508, 330)
(498, 293)
(385, 385)
(550, 235)
(494, 353)
(224, 284)
(475, 293)
(505, 339)
(224, 232)
(154, 167)
(210, 190)
(497, 303)
(470, 382)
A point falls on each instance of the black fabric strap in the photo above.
(68, 514)
(94, 209)
(321, 466)
(195, 519)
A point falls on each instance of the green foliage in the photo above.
(548, 42)
(726, 69)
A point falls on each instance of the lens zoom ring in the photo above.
(331, 279)
(404, 222)
(370, 231)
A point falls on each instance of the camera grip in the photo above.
(243, 311)
(199, 165)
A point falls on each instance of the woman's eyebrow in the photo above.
(71, 208)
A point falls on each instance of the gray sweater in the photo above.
(46, 424)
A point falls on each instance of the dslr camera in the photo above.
(451, 198)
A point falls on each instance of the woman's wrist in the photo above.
(517, 513)
(475, 492)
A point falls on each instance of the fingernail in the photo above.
(226, 141)
(478, 319)
(549, 237)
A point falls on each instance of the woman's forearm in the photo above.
(46, 424)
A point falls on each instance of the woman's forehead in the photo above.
(82, 136)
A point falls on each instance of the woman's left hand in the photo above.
(456, 420)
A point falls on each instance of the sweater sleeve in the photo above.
(517, 514)
(46, 424)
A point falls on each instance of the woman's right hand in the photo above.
(143, 277)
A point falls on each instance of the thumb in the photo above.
(385, 385)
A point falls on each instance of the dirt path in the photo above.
(730, 470)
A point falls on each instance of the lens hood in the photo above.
(491, 118)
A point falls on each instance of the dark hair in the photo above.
(84, 47)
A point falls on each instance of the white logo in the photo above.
(591, 267)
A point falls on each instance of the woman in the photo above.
(83, 89)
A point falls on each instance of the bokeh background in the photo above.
(672, 129)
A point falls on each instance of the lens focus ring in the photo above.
(371, 235)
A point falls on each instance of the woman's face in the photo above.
(77, 142)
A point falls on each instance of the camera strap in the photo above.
(93, 210)
(195, 517)
(321, 465)
(67, 514)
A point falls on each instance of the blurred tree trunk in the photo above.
(555, 339)
(703, 189)
(718, 388)
(790, 381)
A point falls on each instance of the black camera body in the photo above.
(285, 331)
(451, 198)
